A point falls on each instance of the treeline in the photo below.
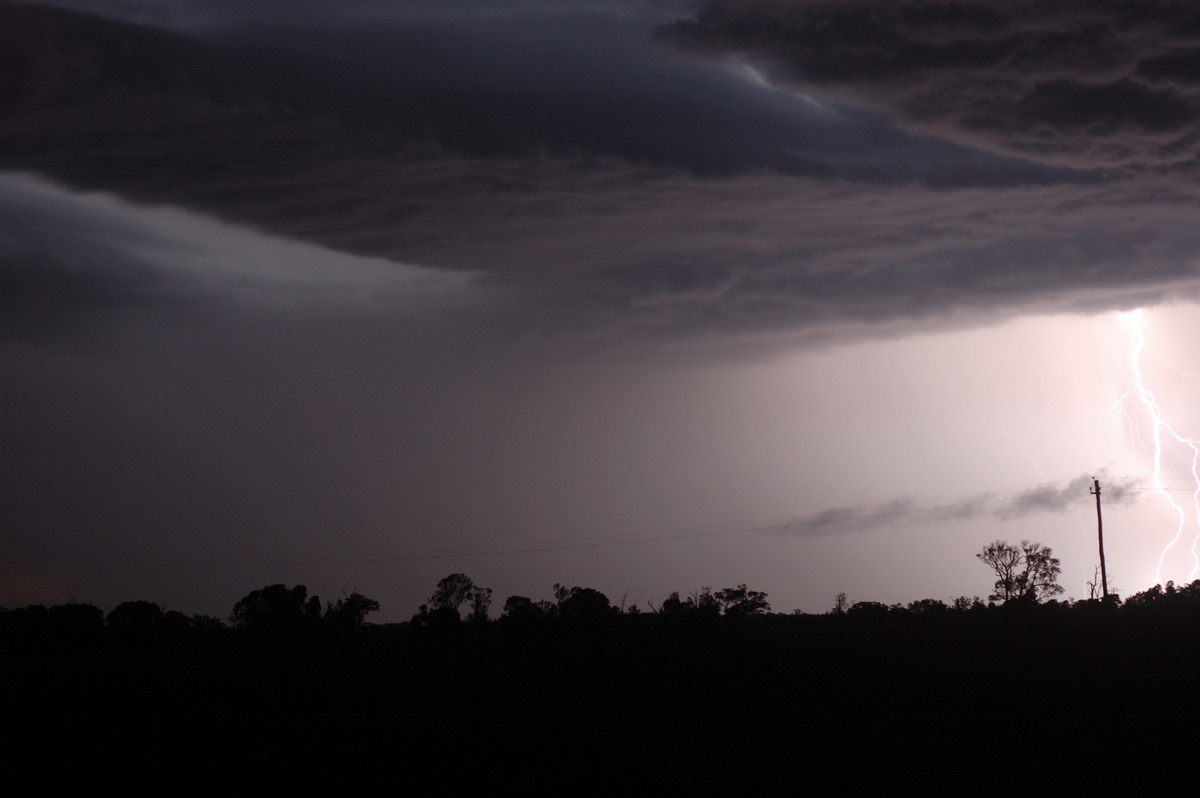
(273, 610)
(279, 610)
(282, 611)
(576, 660)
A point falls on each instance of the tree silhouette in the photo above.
(451, 592)
(583, 604)
(868, 611)
(1027, 572)
(276, 608)
(700, 602)
(742, 601)
(522, 610)
(136, 621)
(481, 599)
(927, 606)
(135, 615)
(350, 612)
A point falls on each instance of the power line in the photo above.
(845, 516)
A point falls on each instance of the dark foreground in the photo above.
(627, 704)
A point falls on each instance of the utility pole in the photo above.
(1095, 491)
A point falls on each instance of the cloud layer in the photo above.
(638, 193)
(1084, 84)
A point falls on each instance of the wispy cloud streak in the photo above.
(1051, 497)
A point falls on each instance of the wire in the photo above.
(834, 517)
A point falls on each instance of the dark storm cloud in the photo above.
(52, 284)
(529, 83)
(632, 191)
(1080, 83)
(823, 261)
(70, 262)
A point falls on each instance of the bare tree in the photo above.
(1025, 572)
(1095, 585)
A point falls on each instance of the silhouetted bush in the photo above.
(276, 609)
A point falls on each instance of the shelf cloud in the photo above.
(852, 182)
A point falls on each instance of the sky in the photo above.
(818, 297)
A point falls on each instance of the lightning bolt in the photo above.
(1161, 430)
